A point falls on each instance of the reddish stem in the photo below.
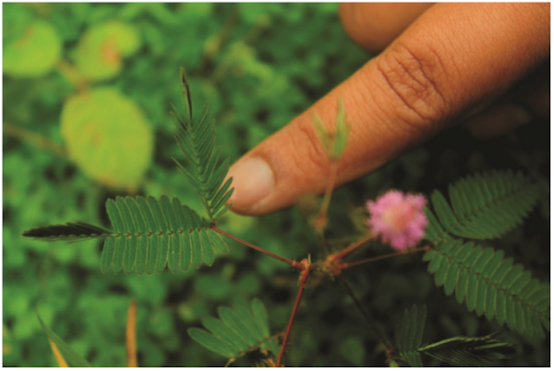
(303, 278)
(278, 257)
(348, 265)
(350, 249)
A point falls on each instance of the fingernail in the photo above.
(253, 180)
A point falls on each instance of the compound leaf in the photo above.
(483, 206)
(469, 351)
(148, 235)
(238, 331)
(196, 138)
(491, 285)
(409, 334)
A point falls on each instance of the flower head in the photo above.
(398, 218)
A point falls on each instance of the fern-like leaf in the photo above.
(71, 232)
(196, 138)
(484, 206)
(491, 285)
(150, 234)
(409, 335)
(238, 331)
(469, 351)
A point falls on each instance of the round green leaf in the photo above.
(34, 53)
(98, 55)
(108, 136)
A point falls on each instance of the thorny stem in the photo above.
(34, 139)
(303, 277)
(350, 249)
(348, 265)
(278, 257)
(365, 314)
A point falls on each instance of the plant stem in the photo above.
(350, 249)
(131, 335)
(303, 278)
(57, 354)
(34, 139)
(321, 220)
(275, 256)
(72, 74)
(321, 244)
(348, 265)
(365, 314)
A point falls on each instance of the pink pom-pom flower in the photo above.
(398, 219)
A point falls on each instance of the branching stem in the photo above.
(350, 249)
(303, 277)
(275, 256)
(352, 264)
(365, 314)
(34, 139)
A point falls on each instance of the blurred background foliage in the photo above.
(87, 93)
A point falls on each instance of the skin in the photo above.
(482, 65)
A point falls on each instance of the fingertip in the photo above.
(253, 180)
(375, 25)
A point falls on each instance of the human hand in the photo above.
(446, 64)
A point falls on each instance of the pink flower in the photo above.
(398, 218)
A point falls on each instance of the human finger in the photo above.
(375, 25)
(450, 64)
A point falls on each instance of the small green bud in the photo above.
(334, 143)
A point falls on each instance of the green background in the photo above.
(258, 65)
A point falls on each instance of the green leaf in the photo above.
(196, 138)
(469, 351)
(99, 52)
(491, 285)
(484, 206)
(239, 331)
(78, 231)
(409, 333)
(175, 235)
(108, 136)
(147, 235)
(211, 342)
(71, 357)
(260, 314)
(333, 142)
(34, 54)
